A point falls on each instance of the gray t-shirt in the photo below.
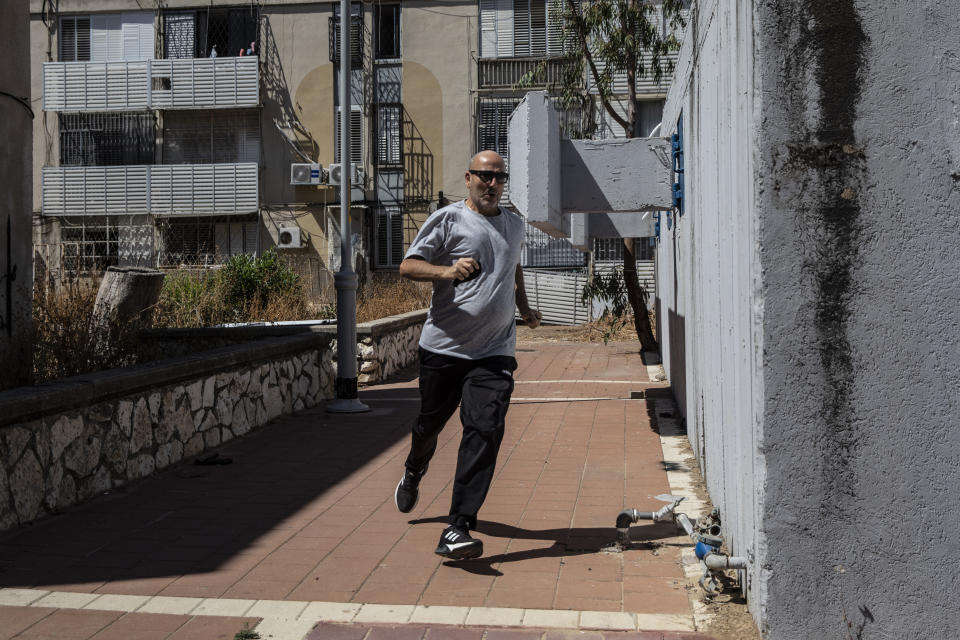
(474, 319)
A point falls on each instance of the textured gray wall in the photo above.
(811, 303)
(16, 272)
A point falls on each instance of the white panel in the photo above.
(556, 295)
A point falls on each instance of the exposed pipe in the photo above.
(705, 533)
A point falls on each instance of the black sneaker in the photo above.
(456, 544)
(408, 491)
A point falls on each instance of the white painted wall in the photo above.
(810, 305)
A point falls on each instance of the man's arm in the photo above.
(421, 270)
(530, 316)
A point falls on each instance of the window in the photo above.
(521, 28)
(356, 135)
(390, 243)
(106, 139)
(388, 134)
(387, 29)
(209, 33)
(493, 116)
(205, 137)
(89, 245)
(107, 37)
(356, 36)
(74, 38)
(611, 249)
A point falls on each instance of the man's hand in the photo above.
(531, 317)
(461, 269)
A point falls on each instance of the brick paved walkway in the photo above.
(305, 515)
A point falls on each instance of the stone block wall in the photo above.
(384, 353)
(66, 442)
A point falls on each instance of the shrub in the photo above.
(244, 289)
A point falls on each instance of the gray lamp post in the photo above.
(345, 280)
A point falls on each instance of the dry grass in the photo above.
(387, 296)
(64, 340)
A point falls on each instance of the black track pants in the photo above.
(482, 388)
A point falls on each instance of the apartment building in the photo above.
(182, 134)
(175, 134)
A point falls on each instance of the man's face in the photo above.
(485, 194)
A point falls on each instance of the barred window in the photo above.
(106, 139)
(209, 33)
(207, 137)
(389, 133)
(205, 241)
(89, 245)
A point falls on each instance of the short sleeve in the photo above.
(431, 239)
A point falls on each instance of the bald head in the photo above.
(483, 191)
(486, 158)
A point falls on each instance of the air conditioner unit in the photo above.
(288, 238)
(336, 171)
(305, 173)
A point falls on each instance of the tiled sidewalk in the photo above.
(305, 514)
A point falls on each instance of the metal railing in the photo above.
(502, 73)
(185, 83)
(166, 190)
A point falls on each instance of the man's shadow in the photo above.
(570, 541)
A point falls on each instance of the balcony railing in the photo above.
(185, 83)
(503, 73)
(167, 190)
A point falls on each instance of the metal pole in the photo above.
(345, 280)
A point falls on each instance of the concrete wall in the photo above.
(16, 273)
(809, 306)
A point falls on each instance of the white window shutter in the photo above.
(488, 28)
(538, 27)
(106, 39)
(521, 27)
(555, 27)
(137, 30)
(356, 136)
(504, 13)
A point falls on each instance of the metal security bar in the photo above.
(107, 139)
(506, 73)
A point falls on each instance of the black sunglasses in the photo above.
(486, 176)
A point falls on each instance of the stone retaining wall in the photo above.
(65, 442)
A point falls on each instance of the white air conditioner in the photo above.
(359, 175)
(305, 173)
(288, 238)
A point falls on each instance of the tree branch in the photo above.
(582, 36)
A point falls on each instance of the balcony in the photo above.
(505, 73)
(184, 83)
(165, 190)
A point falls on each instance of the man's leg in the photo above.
(486, 398)
(441, 382)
